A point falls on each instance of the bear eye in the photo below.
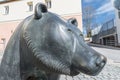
(69, 29)
(81, 34)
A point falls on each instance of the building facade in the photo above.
(108, 34)
(117, 22)
(12, 12)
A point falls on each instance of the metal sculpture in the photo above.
(44, 46)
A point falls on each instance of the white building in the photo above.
(117, 22)
(12, 12)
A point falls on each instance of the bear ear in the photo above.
(73, 21)
(39, 10)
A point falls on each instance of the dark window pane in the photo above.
(30, 6)
(119, 14)
(110, 24)
(6, 9)
(48, 3)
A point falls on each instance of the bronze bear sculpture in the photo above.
(44, 46)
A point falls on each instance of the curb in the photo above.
(103, 46)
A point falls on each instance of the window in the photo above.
(104, 27)
(119, 14)
(30, 6)
(110, 24)
(3, 42)
(6, 8)
(48, 3)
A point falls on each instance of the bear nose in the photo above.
(101, 61)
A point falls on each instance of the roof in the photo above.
(7, 1)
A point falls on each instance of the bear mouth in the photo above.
(74, 72)
(89, 71)
(95, 71)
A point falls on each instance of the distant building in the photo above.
(117, 22)
(12, 12)
(108, 34)
(110, 31)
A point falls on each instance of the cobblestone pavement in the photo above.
(113, 54)
(110, 72)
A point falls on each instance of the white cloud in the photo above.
(88, 1)
(112, 1)
(105, 8)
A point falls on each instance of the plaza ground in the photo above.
(110, 72)
(111, 54)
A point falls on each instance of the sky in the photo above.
(104, 10)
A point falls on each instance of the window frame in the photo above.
(30, 6)
(119, 14)
(6, 10)
(48, 3)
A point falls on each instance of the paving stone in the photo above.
(110, 72)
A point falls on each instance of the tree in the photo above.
(88, 17)
(117, 4)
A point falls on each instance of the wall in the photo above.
(18, 10)
(6, 30)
